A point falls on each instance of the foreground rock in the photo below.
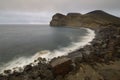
(103, 60)
(61, 66)
(98, 61)
(42, 71)
(102, 72)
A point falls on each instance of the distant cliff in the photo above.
(95, 18)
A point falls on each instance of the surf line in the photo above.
(19, 63)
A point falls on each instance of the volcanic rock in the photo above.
(61, 66)
(92, 19)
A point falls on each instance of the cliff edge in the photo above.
(95, 18)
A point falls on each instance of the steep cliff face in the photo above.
(58, 20)
(92, 19)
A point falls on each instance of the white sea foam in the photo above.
(22, 61)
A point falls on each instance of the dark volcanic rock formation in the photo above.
(95, 18)
(61, 66)
(42, 71)
(102, 62)
(58, 20)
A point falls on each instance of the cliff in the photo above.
(102, 62)
(95, 18)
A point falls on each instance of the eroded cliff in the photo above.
(95, 18)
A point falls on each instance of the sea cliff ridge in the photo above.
(92, 19)
(102, 62)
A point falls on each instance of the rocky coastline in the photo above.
(98, 61)
(93, 19)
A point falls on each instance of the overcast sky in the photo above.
(42, 10)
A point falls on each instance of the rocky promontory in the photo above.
(92, 19)
(102, 62)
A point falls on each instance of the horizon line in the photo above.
(24, 23)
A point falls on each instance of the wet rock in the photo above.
(3, 77)
(27, 68)
(7, 72)
(42, 71)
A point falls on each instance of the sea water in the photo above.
(21, 44)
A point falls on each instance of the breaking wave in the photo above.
(22, 61)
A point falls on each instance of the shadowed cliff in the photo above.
(95, 18)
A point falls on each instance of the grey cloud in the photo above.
(64, 6)
(58, 5)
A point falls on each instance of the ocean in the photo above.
(21, 44)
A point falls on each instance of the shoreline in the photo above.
(103, 49)
(73, 46)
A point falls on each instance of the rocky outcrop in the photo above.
(102, 62)
(58, 20)
(61, 66)
(42, 71)
(95, 18)
(98, 61)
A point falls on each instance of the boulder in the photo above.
(61, 66)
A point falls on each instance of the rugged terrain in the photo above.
(98, 61)
(92, 19)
